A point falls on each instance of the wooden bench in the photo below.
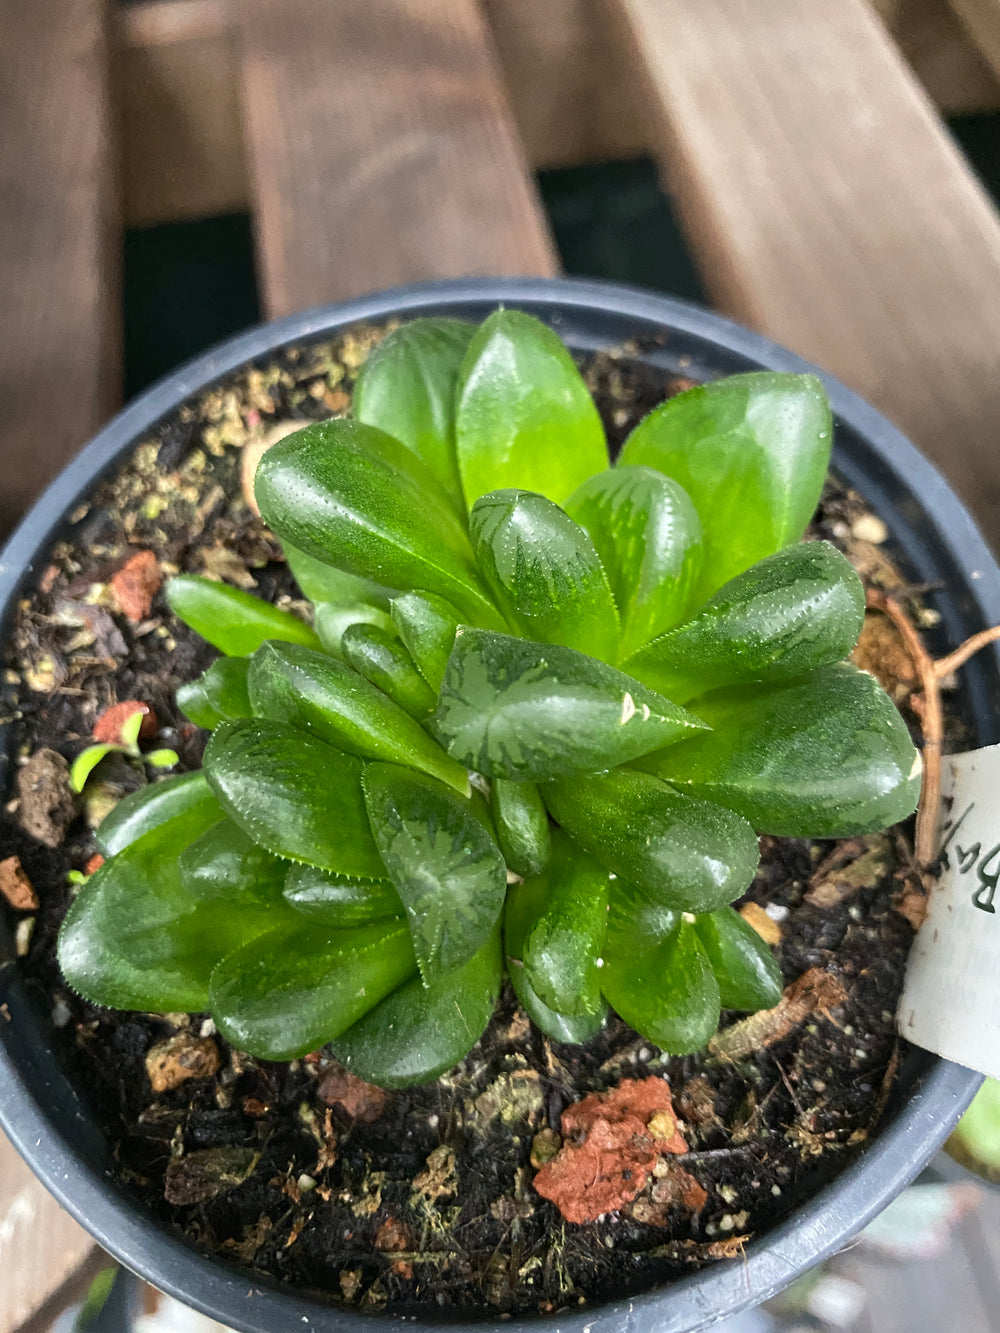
(383, 141)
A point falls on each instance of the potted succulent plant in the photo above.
(539, 715)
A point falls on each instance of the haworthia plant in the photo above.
(544, 708)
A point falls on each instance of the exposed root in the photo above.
(927, 706)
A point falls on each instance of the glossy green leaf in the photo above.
(135, 938)
(294, 989)
(444, 863)
(320, 582)
(792, 612)
(564, 943)
(383, 661)
(522, 825)
(332, 621)
(745, 968)
(687, 854)
(330, 700)
(231, 620)
(544, 572)
(340, 901)
(668, 993)
(524, 904)
(648, 536)
(218, 694)
(427, 626)
(752, 452)
(420, 1032)
(515, 709)
(225, 864)
(352, 495)
(407, 388)
(295, 795)
(185, 801)
(524, 415)
(827, 756)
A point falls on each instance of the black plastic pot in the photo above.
(936, 544)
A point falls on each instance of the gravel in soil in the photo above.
(424, 1199)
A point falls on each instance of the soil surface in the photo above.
(424, 1199)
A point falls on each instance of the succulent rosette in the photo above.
(545, 708)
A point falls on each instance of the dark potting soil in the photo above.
(423, 1200)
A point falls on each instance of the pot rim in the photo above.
(813, 1231)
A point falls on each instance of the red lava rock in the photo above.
(16, 887)
(679, 1188)
(360, 1100)
(108, 727)
(136, 584)
(93, 864)
(395, 1237)
(611, 1142)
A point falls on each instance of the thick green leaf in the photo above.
(544, 572)
(444, 863)
(427, 626)
(685, 853)
(330, 700)
(291, 991)
(563, 946)
(320, 582)
(353, 496)
(668, 993)
(135, 938)
(232, 620)
(524, 904)
(333, 620)
(185, 801)
(522, 825)
(340, 901)
(420, 1031)
(648, 536)
(827, 756)
(745, 968)
(752, 452)
(383, 661)
(225, 864)
(407, 388)
(218, 693)
(524, 415)
(295, 795)
(511, 708)
(794, 611)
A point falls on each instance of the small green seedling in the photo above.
(87, 760)
(546, 708)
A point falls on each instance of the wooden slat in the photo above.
(177, 95)
(944, 57)
(58, 253)
(40, 1245)
(381, 149)
(568, 81)
(829, 208)
(981, 18)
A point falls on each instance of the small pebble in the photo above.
(869, 528)
(23, 934)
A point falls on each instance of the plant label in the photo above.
(951, 996)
